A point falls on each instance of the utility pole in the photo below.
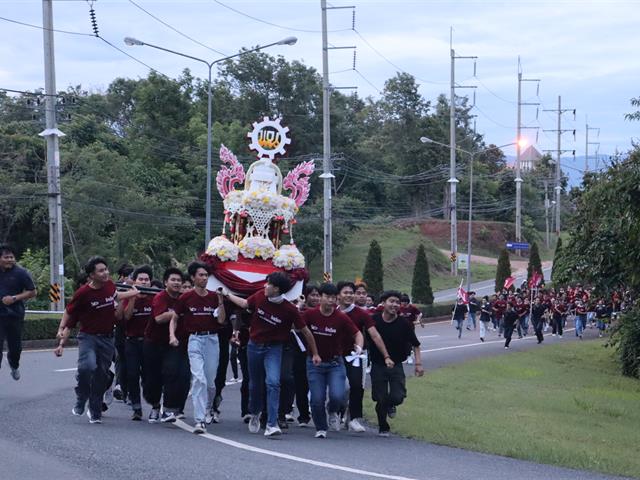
(51, 133)
(453, 181)
(519, 129)
(586, 146)
(327, 168)
(546, 211)
(559, 152)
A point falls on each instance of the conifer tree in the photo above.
(421, 284)
(535, 265)
(503, 271)
(373, 272)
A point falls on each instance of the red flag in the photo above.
(508, 282)
(463, 294)
(535, 280)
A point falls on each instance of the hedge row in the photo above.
(437, 310)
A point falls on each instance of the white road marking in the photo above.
(531, 337)
(428, 336)
(67, 369)
(285, 456)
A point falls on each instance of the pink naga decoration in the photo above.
(297, 184)
(229, 176)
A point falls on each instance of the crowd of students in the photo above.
(312, 352)
(539, 309)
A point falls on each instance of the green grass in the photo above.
(564, 405)
(399, 248)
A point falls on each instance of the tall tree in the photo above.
(557, 256)
(373, 274)
(503, 271)
(535, 265)
(421, 284)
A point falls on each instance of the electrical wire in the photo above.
(283, 27)
(176, 30)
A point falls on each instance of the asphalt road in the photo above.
(40, 439)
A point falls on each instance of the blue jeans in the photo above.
(204, 354)
(328, 374)
(581, 321)
(95, 353)
(264, 366)
(471, 320)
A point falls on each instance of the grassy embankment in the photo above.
(564, 405)
(399, 247)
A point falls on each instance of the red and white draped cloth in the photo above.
(508, 282)
(535, 280)
(463, 294)
(246, 276)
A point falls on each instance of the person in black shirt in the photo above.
(16, 286)
(537, 313)
(510, 319)
(387, 375)
(460, 311)
(474, 306)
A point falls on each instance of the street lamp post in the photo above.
(135, 42)
(472, 156)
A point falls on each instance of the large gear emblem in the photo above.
(269, 138)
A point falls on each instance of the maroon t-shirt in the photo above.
(409, 314)
(136, 325)
(159, 332)
(94, 309)
(362, 320)
(271, 322)
(331, 333)
(195, 312)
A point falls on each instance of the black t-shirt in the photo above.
(13, 282)
(397, 336)
(510, 318)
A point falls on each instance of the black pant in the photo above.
(356, 391)
(558, 324)
(121, 359)
(233, 360)
(301, 384)
(95, 353)
(176, 377)
(508, 331)
(537, 328)
(387, 390)
(154, 356)
(223, 360)
(11, 329)
(244, 386)
(287, 383)
(133, 354)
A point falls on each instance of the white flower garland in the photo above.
(252, 247)
(288, 257)
(222, 248)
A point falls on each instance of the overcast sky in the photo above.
(585, 51)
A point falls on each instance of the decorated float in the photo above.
(258, 217)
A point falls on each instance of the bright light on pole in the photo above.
(130, 41)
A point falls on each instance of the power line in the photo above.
(175, 29)
(283, 27)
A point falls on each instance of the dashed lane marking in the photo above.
(286, 456)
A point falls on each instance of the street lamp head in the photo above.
(132, 41)
(426, 140)
(288, 41)
(522, 142)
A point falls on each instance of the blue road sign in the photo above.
(517, 246)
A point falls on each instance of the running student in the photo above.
(388, 388)
(271, 321)
(16, 286)
(365, 324)
(332, 329)
(166, 368)
(93, 307)
(201, 313)
(136, 314)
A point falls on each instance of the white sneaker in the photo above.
(356, 426)
(200, 428)
(208, 417)
(321, 434)
(410, 360)
(272, 431)
(254, 424)
(108, 396)
(334, 422)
